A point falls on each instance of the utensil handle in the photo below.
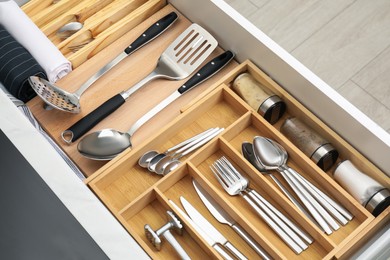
(303, 187)
(152, 32)
(89, 121)
(290, 196)
(179, 249)
(207, 71)
(288, 222)
(282, 234)
(324, 203)
(234, 251)
(279, 221)
(222, 252)
(251, 242)
(185, 142)
(333, 203)
(308, 201)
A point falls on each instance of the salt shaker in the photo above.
(268, 105)
(310, 143)
(370, 193)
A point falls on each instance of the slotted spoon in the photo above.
(70, 102)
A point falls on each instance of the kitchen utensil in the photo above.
(235, 184)
(151, 166)
(223, 217)
(365, 189)
(173, 223)
(338, 211)
(70, 102)
(78, 45)
(205, 235)
(148, 156)
(106, 144)
(69, 29)
(177, 62)
(168, 164)
(272, 157)
(210, 229)
(167, 158)
(247, 151)
(29, 115)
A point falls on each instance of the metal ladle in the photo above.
(69, 29)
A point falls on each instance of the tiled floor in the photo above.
(344, 42)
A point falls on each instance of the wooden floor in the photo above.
(344, 42)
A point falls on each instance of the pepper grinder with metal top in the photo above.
(370, 193)
(268, 105)
(310, 143)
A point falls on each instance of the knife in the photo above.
(223, 217)
(204, 224)
(203, 234)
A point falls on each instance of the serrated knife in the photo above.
(223, 217)
(208, 228)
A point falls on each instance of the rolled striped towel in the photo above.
(16, 66)
(20, 26)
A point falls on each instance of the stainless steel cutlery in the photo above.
(212, 236)
(224, 218)
(235, 184)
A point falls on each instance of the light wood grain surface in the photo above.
(123, 76)
(339, 41)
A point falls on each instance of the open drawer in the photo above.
(136, 197)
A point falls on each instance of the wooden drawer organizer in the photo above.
(137, 197)
(104, 21)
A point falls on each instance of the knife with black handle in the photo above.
(89, 121)
(207, 71)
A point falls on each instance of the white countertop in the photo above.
(101, 225)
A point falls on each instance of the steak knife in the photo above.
(207, 227)
(223, 217)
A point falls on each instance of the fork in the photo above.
(235, 184)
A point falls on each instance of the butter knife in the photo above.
(207, 227)
(223, 217)
(214, 244)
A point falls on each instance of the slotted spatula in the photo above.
(177, 62)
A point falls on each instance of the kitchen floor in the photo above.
(344, 42)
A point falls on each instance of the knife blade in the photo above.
(224, 218)
(203, 234)
(207, 227)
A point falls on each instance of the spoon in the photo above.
(151, 158)
(166, 165)
(108, 143)
(271, 157)
(69, 29)
(247, 151)
(321, 197)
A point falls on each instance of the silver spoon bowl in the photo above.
(69, 29)
(104, 144)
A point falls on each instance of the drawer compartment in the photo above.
(137, 197)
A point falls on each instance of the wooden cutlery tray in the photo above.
(104, 21)
(137, 197)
